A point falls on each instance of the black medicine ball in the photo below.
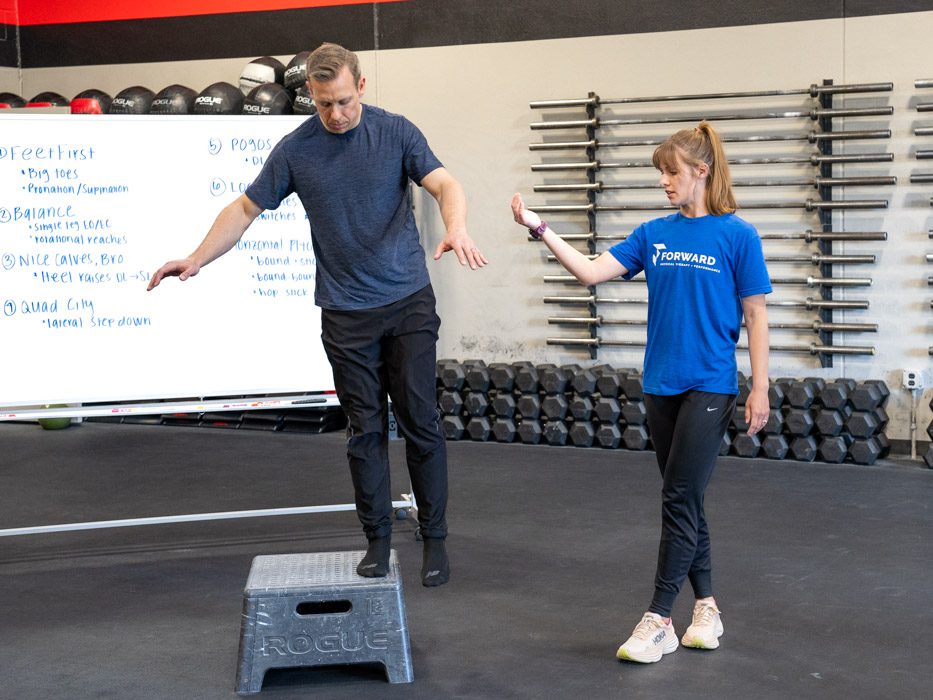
(219, 98)
(8, 100)
(261, 70)
(296, 72)
(268, 98)
(175, 99)
(91, 102)
(303, 104)
(48, 99)
(132, 100)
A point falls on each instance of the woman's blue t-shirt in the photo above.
(697, 270)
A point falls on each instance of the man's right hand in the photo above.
(182, 269)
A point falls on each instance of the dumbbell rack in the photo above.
(810, 419)
(820, 109)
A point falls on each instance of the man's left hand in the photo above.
(464, 247)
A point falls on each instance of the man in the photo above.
(350, 166)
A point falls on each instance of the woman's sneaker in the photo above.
(652, 638)
(706, 629)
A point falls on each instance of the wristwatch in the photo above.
(536, 233)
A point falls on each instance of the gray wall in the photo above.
(472, 103)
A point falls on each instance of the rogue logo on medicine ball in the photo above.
(268, 98)
(132, 100)
(219, 98)
(296, 72)
(174, 99)
(303, 104)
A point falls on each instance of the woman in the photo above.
(705, 270)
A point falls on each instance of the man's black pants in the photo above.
(390, 350)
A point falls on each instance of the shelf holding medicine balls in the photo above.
(601, 182)
(602, 406)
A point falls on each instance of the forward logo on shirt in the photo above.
(682, 258)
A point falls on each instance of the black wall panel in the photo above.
(9, 56)
(409, 24)
(198, 37)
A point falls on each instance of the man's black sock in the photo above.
(376, 562)
(435, 568)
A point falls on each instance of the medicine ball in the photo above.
(48, 99)
(132, 100)
(10, 101)
(261, 70)
(219, 98)
(303, 104)
(296, 72)
(268, 98)
(175, 99)
(91, 102)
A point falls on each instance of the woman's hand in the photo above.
(525, 217)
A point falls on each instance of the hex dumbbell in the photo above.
(479, 428)
(556, 432)
(609, 435)
(504, 430)
(530, 431)
(635, 437)
(582, 433)
(803, 449)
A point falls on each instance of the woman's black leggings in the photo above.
(687, 431)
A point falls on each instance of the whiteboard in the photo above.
(91, 206)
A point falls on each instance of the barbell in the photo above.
(815, 259)
(810, 137)
(813, 91)
(812, 114)
(808, 236)
(814, 159)
(809, 281)
(815, 326)
(809, 205)
(815, 182)
(809, 303)
(812, 348)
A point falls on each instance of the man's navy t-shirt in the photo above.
(354, 188)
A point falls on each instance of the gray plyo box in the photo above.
(314, 610)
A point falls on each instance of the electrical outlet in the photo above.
(912, 379)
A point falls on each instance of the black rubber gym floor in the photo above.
(823, 572)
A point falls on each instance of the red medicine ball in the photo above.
(91, 102)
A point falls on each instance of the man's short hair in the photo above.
(326, 60)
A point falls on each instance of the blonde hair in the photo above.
(325, 62)
(701, 145)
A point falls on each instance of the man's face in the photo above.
(338, 101)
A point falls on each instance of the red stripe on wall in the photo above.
(33, 12)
